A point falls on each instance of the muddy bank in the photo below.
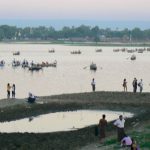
(15, 109)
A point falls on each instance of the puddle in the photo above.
(59, 121)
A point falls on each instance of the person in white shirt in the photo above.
(93, 85)
(119, 123)
(140, 84)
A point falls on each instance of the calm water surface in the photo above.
(72, 73)
(60, 121)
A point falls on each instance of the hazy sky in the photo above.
(76, 9)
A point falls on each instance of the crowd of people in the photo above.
(125, 140)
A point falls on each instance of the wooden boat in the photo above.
(123, 49)
(47, 64)
(98, 50)
(76, 52)
(93, 66)
(16, 53)
(148, 49)
(140, 50)
(130, 51)
(35, 68)
(115, 50)
(51, 51)
(133, 57)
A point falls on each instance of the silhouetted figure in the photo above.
(13, 91)
(124, 85)
(102, 127)
(8, 90)
(140, 84)
(134, 83)
(93, 85)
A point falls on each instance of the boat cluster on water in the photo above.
(76, 52)
(138, 50)
(30, 65)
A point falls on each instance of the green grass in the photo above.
(111, 141)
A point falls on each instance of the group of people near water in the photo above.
(11, 90)
(125, 141)
(135, 85)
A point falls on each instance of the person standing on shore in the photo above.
(13, 91)
(124, 85)
(134, 83)
(8, 90)
(93, 85)
(119, 123)
(102, 127)
(140, 84)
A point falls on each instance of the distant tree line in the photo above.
(82, 32)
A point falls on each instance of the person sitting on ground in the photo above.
(31, 98)
(134, 146)
(126, 141)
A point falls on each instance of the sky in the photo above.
(91, 10)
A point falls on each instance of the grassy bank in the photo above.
(138, 126)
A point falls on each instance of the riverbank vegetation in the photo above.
(81, 33)
(138, 126)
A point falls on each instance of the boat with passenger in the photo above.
(51, 50)
(16, 53)
(35, 67)
(2, 63)
(93, 66)
(133, 57)
(47, 64)
(16, 63)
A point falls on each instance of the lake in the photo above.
(72, 74)
(60, 121)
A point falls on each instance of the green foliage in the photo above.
(83, 31)
(111, 141)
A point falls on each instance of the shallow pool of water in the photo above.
(59, 121)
